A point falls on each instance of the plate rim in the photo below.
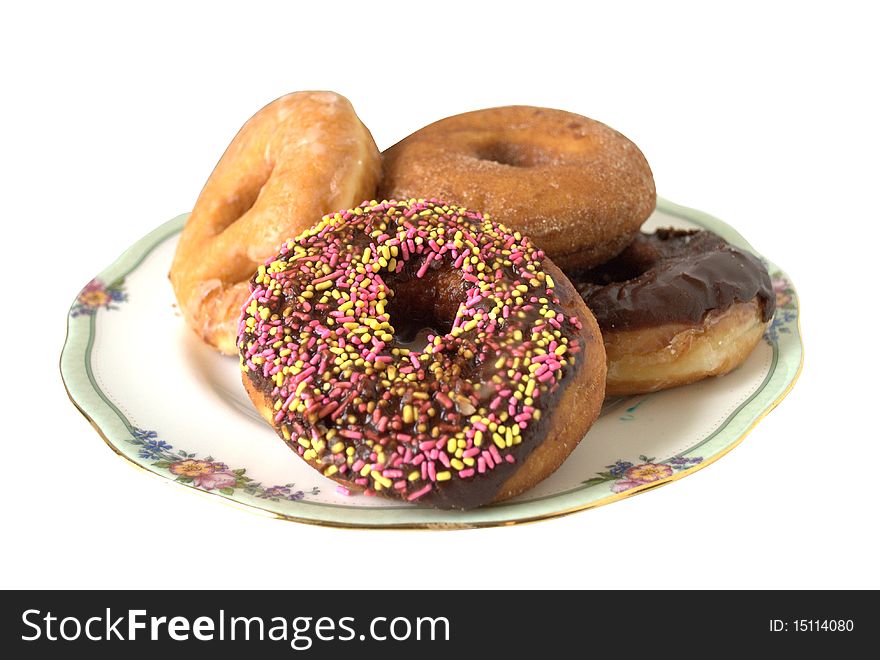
(92, 403)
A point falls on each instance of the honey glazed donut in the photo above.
(578, 188)
(299, 157)
(421, 351)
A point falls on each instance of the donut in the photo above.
(676, 306)
(421, 351)
(578, 188)
(302, 155)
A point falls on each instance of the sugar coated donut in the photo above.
(423, 352)
(675, 307)
(578, 188)
(301, 156)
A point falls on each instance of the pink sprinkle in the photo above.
(419, 493)
(464, 474)
(445, 401)
(303, 375)
(329, 408)
(487, 457)
(425, 264)
(342, 490)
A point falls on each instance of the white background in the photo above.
(762, 114)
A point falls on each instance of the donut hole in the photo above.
(636, 260)
(411, 328)
(424, 305)
(512, 154)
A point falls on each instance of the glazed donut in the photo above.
(578, 188)
(422, 352)
(675, 307)
(301, 156)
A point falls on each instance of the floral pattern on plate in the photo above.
(208, 474)
(96, 295)
(786, 308)
(627, 475)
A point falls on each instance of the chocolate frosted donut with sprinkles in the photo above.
(422, 351)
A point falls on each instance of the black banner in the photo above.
(392, 624)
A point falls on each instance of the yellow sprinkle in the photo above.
(331, 471)
(378, 478)
(457, 464)
(412, 476)
(446, 475)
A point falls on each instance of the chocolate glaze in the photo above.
(419, 299)
(673, 276)
(432, 296)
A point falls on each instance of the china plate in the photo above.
(170, 405)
